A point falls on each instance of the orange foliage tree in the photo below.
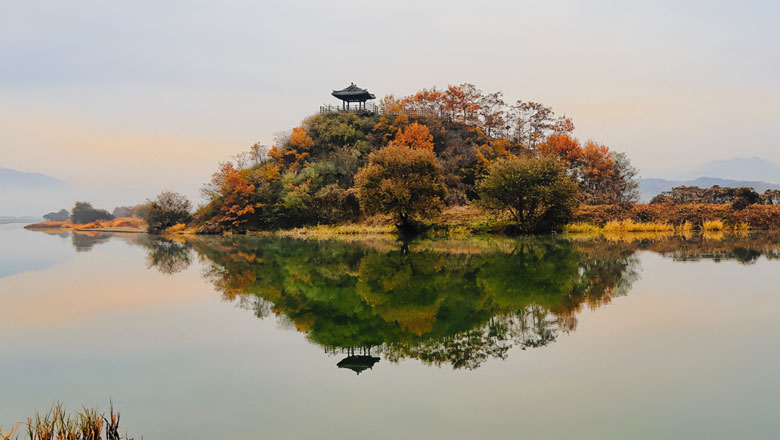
(236, 193)
(414, 136)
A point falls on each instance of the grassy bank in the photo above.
(462, 221)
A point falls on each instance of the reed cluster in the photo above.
(58, 424)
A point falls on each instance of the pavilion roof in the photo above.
(353, 93)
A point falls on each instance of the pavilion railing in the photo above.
(369, 108)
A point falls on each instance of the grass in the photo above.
(631, 230)
(58, 424)
(324, 231)
(713, 225)
(176, 228)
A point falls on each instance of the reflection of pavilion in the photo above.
(358, 363)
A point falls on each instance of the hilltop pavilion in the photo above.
(353, 93)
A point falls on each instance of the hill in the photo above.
(19, 179)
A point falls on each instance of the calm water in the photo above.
(249, 338)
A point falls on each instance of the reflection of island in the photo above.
(438, 307)
(438, 302)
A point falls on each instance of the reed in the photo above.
(58, 424)
(10, 434)
(581, 228)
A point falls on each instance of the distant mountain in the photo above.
(25, 194)
(649, 188)
(19, 179)
(747, 168)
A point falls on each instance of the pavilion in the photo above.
(353, 93)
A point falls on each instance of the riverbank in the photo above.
(459, 221)
(125, 224)
(467, 220)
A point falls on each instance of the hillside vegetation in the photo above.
(423, 153)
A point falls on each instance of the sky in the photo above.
(148, 95)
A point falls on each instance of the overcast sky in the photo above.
(153, 94)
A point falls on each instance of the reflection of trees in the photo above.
(85, 241)
(169, 257)
(743, 248)
(438, 307)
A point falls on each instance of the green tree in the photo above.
(168, 209)
(537, 194)
(403, 181)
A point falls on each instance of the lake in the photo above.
(264, 337)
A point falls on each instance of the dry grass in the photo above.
(58, 424)
(713, 225)
(581, 228)
(325, 231)
(632, 226)
(176, 228)
(124, 224)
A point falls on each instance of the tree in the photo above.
(531, 121)
(231, 188)
(415, 136)
(83, 213)
(493, 114)
(59, 216)
(168, 209)
(403, 181)
(537, 194)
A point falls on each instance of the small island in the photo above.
(452, 161)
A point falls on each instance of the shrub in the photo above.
(537, 194)
(713, 225)
(403, 181)
(83, 212)
(168, 209)
(744, 197)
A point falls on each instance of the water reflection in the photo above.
(435, 305)
(439, 302)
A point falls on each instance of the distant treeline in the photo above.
(739, 198)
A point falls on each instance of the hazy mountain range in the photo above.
(18, 179)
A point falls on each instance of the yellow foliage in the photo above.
(176, 228)
(580, 228)
(632, 226)
(713, 225)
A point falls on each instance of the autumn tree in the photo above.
(235, 194)
(531, 122)
(403, 181)
(536, 194)
(461, 102)
(605, 177)
(415, 136)
(492, 112)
